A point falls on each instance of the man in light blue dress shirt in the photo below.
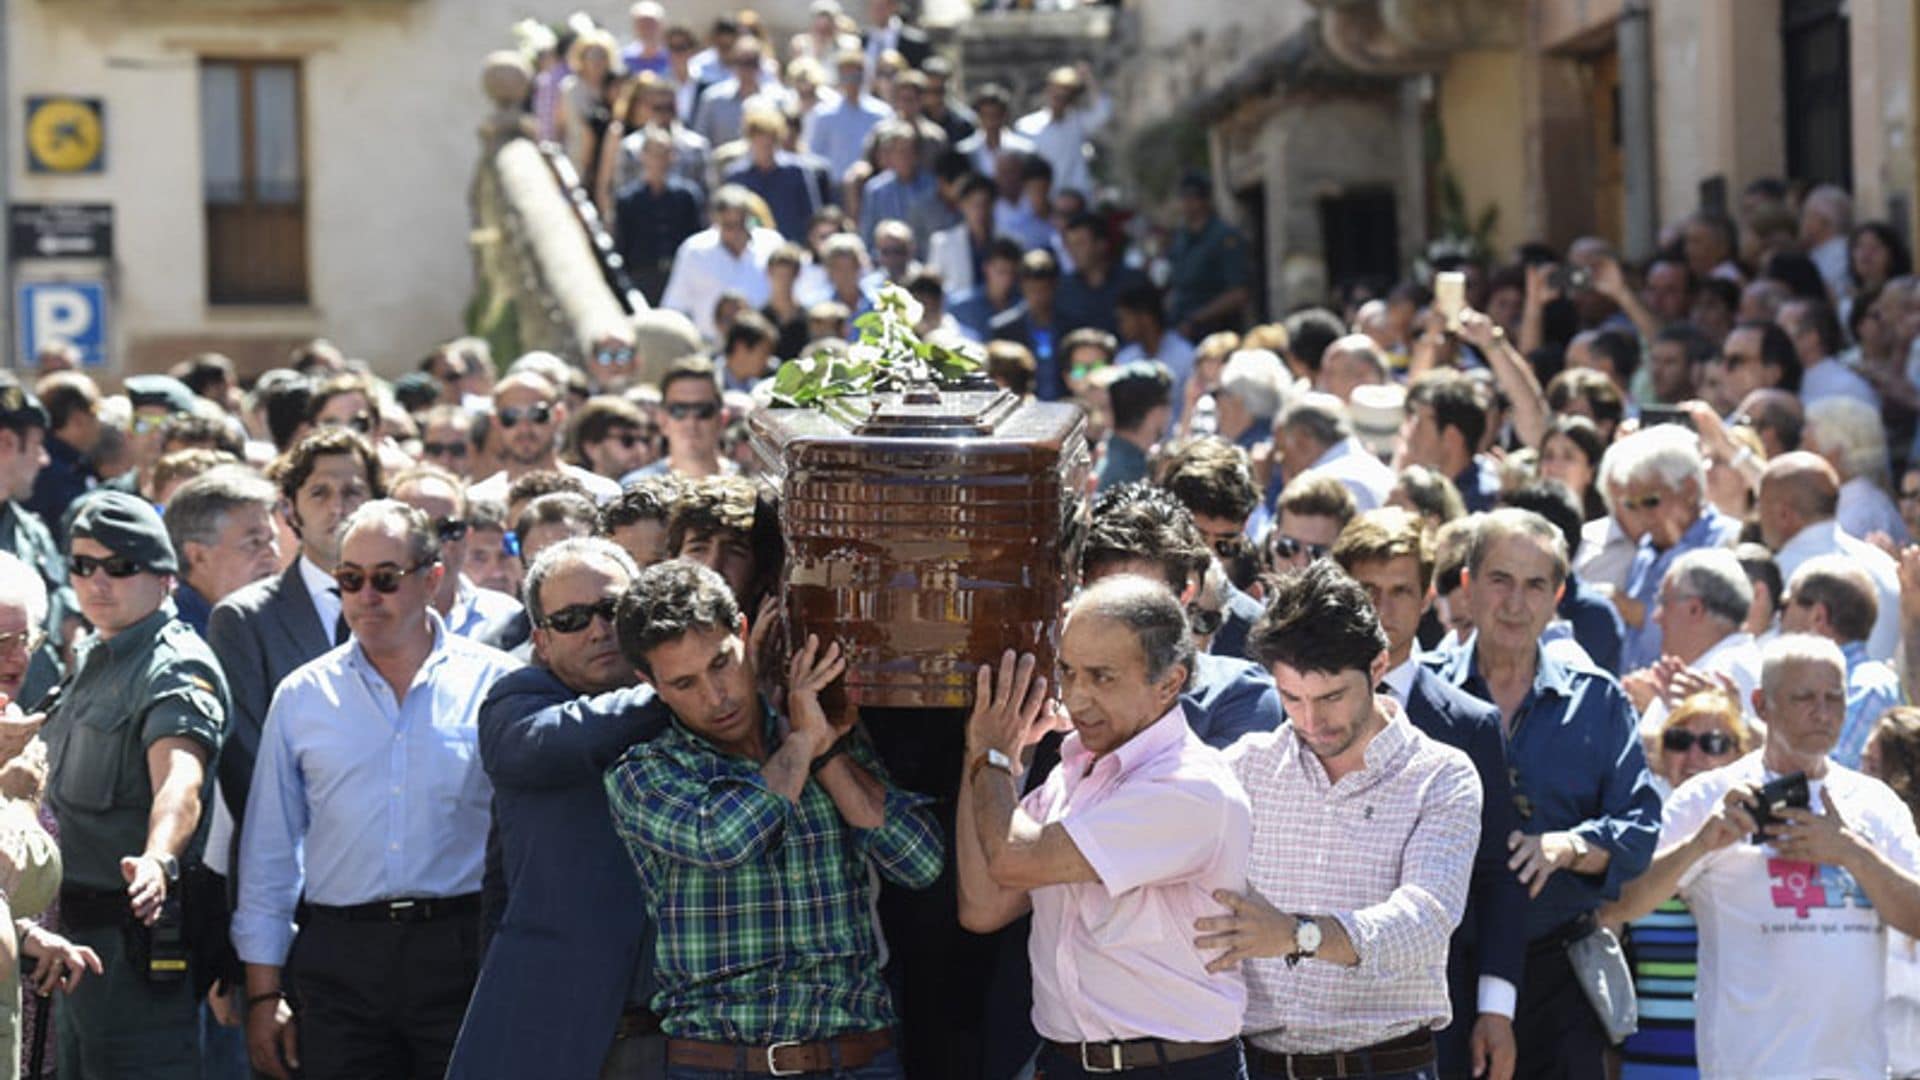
(367, 821)
(838, 131)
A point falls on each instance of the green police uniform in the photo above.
(156, 679)
(1205, 264)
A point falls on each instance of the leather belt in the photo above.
(782, 1058)
(406, 909)
(1118, 1056)
(635, 1022)
(1404, 1054)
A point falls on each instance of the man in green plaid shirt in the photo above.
(753, 847)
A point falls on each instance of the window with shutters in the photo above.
(253, 181)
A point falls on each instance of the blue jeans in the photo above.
(1225, 1065)
(886, 1066)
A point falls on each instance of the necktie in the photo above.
(340, 630)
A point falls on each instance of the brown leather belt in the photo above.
(1111, 1057)
(1404, 1054)
(784, 1058)
(635, 1022)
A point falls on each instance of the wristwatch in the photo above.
(1306, 939)
(169, 867)
(991, 759)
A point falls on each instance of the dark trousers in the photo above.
(379, 1000)
(1558, 1034)
(1225, 1065)
(120, 1025)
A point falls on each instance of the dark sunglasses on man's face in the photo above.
(385, 578)
(629, 439)
(705, 410)
(450, 529)
(1286, 548)
(537, 415)
(116, 566)
(444, 449)
(1712, 743)
(577, 617)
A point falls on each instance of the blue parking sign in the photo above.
(71, 311)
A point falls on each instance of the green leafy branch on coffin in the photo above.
(888, 356)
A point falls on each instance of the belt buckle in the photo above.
(1113, 1049)
(398, 910)
(774, 1069)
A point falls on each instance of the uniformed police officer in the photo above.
(23, 430)
(1207, 288)
(132, 748)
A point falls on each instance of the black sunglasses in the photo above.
(706, 410)
(538, 414)
(359, 422)
(577, 617)
(1712, 743)
(444, 449)
(116, 566)
(450, 529)
(1204, 621)
(384, 579)
(1286, 547)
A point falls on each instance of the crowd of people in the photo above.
(1443, 661)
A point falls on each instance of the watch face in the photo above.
(1307, 936)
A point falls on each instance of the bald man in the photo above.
(1354, 360)
(1799, 497)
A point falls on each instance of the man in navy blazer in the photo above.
(1386, 550)
(564, 984)
(264, 631)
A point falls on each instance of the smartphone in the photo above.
(1450, 296)
(1651, 415)
(1570, 279)
(1787, 792)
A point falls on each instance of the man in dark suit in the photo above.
(266, 630)
(1387, 552)
(890, 31)
(563, 888)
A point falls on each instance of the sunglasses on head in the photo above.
(444, 449)
(384, 579)
(577, 617)
(705, 410)
(538, 414)
(450, 529)
(1680, 740)
(116, 566)
(1286, 547)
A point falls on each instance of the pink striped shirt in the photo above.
(1164, 823)
(1386, 852)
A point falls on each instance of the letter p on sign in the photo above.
(71, 311)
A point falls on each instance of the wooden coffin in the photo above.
(927, 532)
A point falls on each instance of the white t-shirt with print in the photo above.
(1793, 957)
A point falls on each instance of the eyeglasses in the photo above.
(1909, 496)
(385, 578)
(359, 422)
(143, 424)
(705, 410)
(1644, 502)
(577, 617)
(1204, 621)
(26, 641)
(444, 449)
(1286, 547)
(537, 415)
(116, 566)
(629, 439)
(1229, 547)
(1711, 743)
(450, 529)
(612, 357)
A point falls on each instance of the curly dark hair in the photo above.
(1210, 476)
(1140, 521)
(709, 505)
(295, 466)
(667, 601)
(1319, 621)
(647, 499)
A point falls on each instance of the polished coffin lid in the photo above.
(927, 532)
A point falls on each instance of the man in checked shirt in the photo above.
(752, 834)
(1364, 833)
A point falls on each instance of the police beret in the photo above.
(19, 409)
(129, 526)
(162, 390)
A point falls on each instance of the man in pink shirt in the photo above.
(1117, 852)
(1364, 834)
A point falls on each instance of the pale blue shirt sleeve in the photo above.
(272, 844)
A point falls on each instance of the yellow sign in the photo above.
(66, 135)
